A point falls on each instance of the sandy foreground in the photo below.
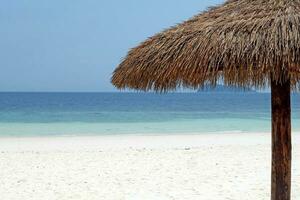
(181, 167)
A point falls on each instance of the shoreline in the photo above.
(135, 141)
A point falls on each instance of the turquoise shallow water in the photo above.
(42, 114)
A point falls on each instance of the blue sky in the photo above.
(74, 45)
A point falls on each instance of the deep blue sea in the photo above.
(41, 114)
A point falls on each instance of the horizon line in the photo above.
(191, 91)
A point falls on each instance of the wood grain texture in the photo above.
(281, 141)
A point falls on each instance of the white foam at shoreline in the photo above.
(49, 143)
(130, 141)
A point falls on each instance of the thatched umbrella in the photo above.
(248, 43)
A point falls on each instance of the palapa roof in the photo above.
(242, 42)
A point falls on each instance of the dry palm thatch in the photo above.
(244, 42)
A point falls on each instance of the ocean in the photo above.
(55, 114)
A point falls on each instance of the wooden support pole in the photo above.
(281, 141)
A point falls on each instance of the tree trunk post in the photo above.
(281, 140)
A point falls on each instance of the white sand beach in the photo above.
(189, 167)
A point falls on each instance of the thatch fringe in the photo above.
(245, 42)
